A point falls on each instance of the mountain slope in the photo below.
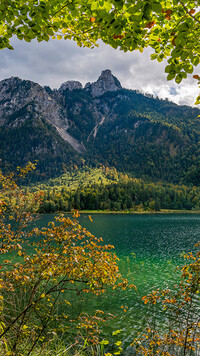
(101, 123)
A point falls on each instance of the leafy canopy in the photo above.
(171, 28)
(41, 268)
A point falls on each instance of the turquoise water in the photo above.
(149, 248)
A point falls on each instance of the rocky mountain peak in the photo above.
(106, 82)
(71, 85)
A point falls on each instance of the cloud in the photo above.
(55, 62)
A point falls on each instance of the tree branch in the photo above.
(185, 8)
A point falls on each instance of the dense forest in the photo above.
(106, 189)
(140, 135)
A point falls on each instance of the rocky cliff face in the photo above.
(99, 123)
(71, 85)
(16, 94)
(106, 82)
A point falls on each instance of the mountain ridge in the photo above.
(100, 123)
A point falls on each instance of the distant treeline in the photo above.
(133, 195)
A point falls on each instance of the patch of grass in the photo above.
(58, 348)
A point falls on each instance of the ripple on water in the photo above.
(149, 248)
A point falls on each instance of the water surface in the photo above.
(150, 249)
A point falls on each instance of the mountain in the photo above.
(100, 123)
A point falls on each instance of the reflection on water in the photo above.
(147, 235)
(149, 248)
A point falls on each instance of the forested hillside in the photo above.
(105, 189)
(101, 123)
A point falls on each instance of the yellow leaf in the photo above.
(116, 332)
(118, 343)
(66, 301)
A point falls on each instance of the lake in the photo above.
(149, 248)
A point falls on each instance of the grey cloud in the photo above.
(55, 62)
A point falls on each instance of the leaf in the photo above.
(188, 68)
(184, 55)
(183, 75)
(107, 6)
(147, 11)
(94, 6)
(154, 56)
(66, 301)
(156, 7)
(178, 79)
(183, 27)
(171, 76)
(168, 68)
(195, 61)
(197, 102)
(116, 332)
(119, 4)
(104, 342)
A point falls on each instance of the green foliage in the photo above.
(83, 190)
(142, 135)
(31, 141)
(39, 268)
(180, 334)
(148, 137)
(170, 28)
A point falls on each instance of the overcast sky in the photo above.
(55, 62)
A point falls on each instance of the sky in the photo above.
(53, 63)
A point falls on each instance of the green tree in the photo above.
(170, 27)
(40, 267)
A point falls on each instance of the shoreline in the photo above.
(161, 212)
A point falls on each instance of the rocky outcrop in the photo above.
(100, 123)
(106, 82)
(16, 93)
(19, 97)
(77, 146)
(71, 85)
